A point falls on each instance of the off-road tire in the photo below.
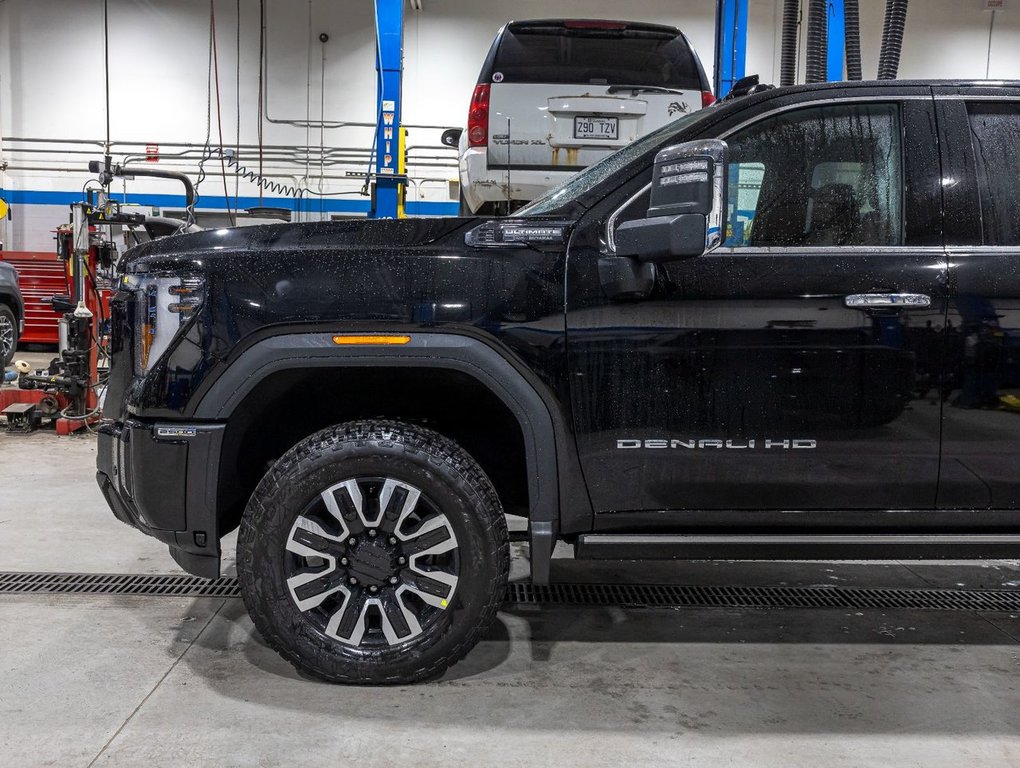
(408, 453)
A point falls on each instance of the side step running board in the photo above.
(621, 546)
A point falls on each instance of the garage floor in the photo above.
(167, 681)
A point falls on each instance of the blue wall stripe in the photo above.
(212, 202)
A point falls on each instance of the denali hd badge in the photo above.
(692, 444)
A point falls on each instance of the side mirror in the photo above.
(451, 136)
(688, 200)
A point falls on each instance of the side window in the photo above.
(817, 177)
(995, 136)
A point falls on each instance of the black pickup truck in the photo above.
(787, 326)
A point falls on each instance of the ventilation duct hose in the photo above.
(892, 39)
(816, 41)
(788, 50)
(852, 25)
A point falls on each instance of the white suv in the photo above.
(555, 96)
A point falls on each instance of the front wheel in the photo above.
(373, 552)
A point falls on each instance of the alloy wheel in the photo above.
(372, 562)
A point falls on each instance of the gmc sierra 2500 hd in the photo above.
(786, 326)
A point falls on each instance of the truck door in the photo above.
(795, 368)
(981, 431)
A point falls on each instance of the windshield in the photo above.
(593, 175)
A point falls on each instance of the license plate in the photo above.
(591, 127)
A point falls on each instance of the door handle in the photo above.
(888, 301)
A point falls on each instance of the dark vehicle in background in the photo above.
(786, 326)
(12, 313)
(556, 95)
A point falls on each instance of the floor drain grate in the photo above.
(521, 593)
(116, 584)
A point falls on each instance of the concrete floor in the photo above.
(127, 681)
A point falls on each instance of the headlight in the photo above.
(163, 305)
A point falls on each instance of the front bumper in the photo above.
(161, 478)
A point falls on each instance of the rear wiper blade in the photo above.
(642, 89)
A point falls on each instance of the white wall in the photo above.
(947, 39)
(51, 73)
(51, 79)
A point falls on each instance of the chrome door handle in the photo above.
(888, 301)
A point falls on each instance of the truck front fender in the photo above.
(546, 435)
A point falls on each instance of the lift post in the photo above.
(836, 45)
(389, 21)
(730, 44)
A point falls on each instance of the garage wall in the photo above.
(947, 39)
(51, 83)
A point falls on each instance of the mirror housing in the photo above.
(451, 137)
(686, 206)
(663, 238)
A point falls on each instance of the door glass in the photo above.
(995, 135)
(826, 176)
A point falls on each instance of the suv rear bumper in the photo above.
(480, 185)
(162, 480)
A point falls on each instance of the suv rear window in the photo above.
(617, 54)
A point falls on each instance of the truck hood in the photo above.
(170, 252)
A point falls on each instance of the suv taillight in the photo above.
(478, 116)
(707, 99)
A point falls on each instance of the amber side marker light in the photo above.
(347, 340)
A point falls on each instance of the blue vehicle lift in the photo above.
(731, 43)
(389, 180)
(836, 35)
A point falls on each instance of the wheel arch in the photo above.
(548, 448)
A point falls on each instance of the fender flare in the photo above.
(450, 351)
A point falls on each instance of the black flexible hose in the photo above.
(788, 54)
(852, 25)
(816, 41)
(892, 39)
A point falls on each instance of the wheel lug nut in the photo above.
(352, 541)
(372, 532)
(402, 560)
(343, 561)
(352, 581)
(373, 589)
(394, 579)
(392, 540)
